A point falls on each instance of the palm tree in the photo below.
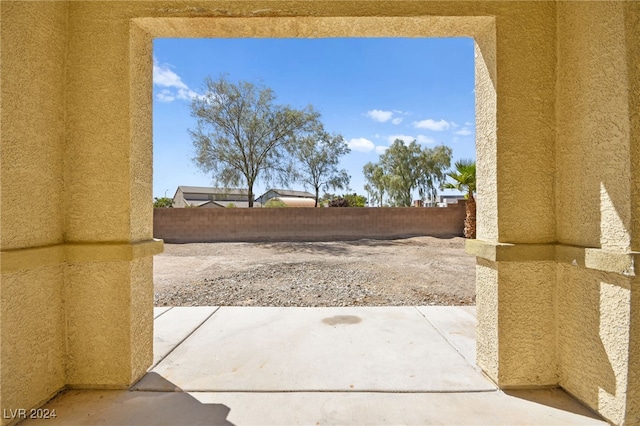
(464, 178)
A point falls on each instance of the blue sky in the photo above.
(371, 91)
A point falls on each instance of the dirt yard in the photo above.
(413, 271)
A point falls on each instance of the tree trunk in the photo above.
(250, 195)
(317, 192)
(470, 218)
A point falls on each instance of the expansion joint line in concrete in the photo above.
(185, 338)
(444, 337)
(165, 311)
(267, 391)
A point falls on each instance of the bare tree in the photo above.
(242, 136)
(318, 154)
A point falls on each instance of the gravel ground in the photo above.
(413, 271)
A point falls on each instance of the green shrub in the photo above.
(163, 202)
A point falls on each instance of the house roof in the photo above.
(196, 203)
(210, 190)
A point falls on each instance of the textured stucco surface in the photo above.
(486, 147)
(98, 123)
(525, 88)
(32, 123)
(593, 338)
(593, 127)
(33, 344)
(526, 324)
(101, 354)
(487, 316)
(141, 325)
(516, 336)
(558, 122)
(31, 199)
(598, 204)
(141, 150)
(66, 149)
(97, 316)
(633, 392)
(632, 41)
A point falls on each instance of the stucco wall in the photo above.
(31, 206)
(595, 366)
(597, 197)
(525, 122)
(559, 162)
(633, 391)
(305, 224)
(593, 131)
(33, 100)
(91, 322)
(526, 323)
(632, 41)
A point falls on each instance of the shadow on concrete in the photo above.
(556, 398)
(166, 406)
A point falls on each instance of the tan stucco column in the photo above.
(108, 227)
(515, 138)
(515, 298)
(32, 317)
(598, 200)
(76, 290)
(557, 285)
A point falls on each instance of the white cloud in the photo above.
(424, 139)
(379, 115)
(361, 144)
(468, 123)
(186, 94)
(381, 149)
(382, 116)
(175, 88)
(433, 125)
(164, 77)
(165, 96)
(463, 132)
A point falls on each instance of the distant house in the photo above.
(291, 202)
(207, 197)
(444, 200)
(288, 197)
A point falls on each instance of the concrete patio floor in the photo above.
(300, 366)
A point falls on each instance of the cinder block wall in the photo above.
(304, 224)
